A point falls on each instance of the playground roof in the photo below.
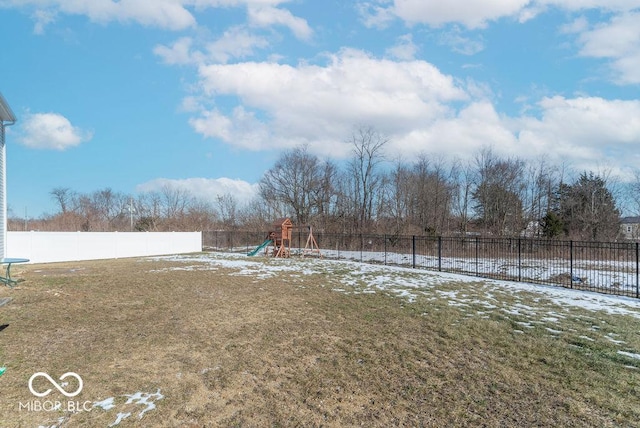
(282, 221)
(6, 115)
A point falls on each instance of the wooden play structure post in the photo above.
(280, 238)
(312, 245)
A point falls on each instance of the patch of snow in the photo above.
(139, 398)
(630, 355)
(120, 417)
(56, 424)
(617, 342)
(142, 398)
(106, 404)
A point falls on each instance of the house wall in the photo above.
(45, 247)
(630, 231)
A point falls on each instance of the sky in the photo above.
(205, 95)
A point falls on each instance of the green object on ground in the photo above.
(260, 247)
(2, 370)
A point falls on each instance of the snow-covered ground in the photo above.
(606, 276)
(529, 307)
(614, 277)
(135, 405)
(411, 283)
(556, 311)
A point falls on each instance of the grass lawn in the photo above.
(223, 340)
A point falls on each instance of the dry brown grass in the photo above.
(227, 350)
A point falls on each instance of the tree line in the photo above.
(488, 195)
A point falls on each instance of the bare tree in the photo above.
(228, 209)
(296, 181)
(498, 193)
(431, 192)
(463, 186)
(324, 194)
(396, 189)
(540, 180)
(63, 197)
(110, 209)
(175, 202)
(368, 153)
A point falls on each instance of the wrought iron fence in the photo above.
(605, 267)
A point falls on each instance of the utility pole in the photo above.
(131, 211)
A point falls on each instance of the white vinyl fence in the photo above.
(45, 247)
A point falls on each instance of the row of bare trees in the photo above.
(371, 193)
(488, 195)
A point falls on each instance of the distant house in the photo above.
(630, 228)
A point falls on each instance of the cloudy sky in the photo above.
(205, 94)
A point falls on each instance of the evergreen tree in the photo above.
(588, 209)
(552, 225)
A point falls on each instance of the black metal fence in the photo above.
(606, 267)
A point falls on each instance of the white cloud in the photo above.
(267, 16)
(474, 126)
(167, 14)
(241, 128)
(463, 45)
(375, 16)
(577, 5)
(472, 14)
(618, 41)
(285, 105)
(419, 108)
(576, 26)
(236, 42)
(204, 189)
(477, 14)
(51, 131)
(42, 19)
(179, 53)
(584, 127)
(584, 132)
(404, 49)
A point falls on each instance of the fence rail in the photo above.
(605, 267)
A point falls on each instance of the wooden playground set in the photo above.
(278, 240)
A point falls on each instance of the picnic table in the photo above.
(8, 261)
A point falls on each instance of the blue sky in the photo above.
(134, 95)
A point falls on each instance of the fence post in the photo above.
(440, 253)
(637, 270)
(361, 246)
(385, 249)
(571, 263)
(477, 267)
(413, 250)
(519, 259)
